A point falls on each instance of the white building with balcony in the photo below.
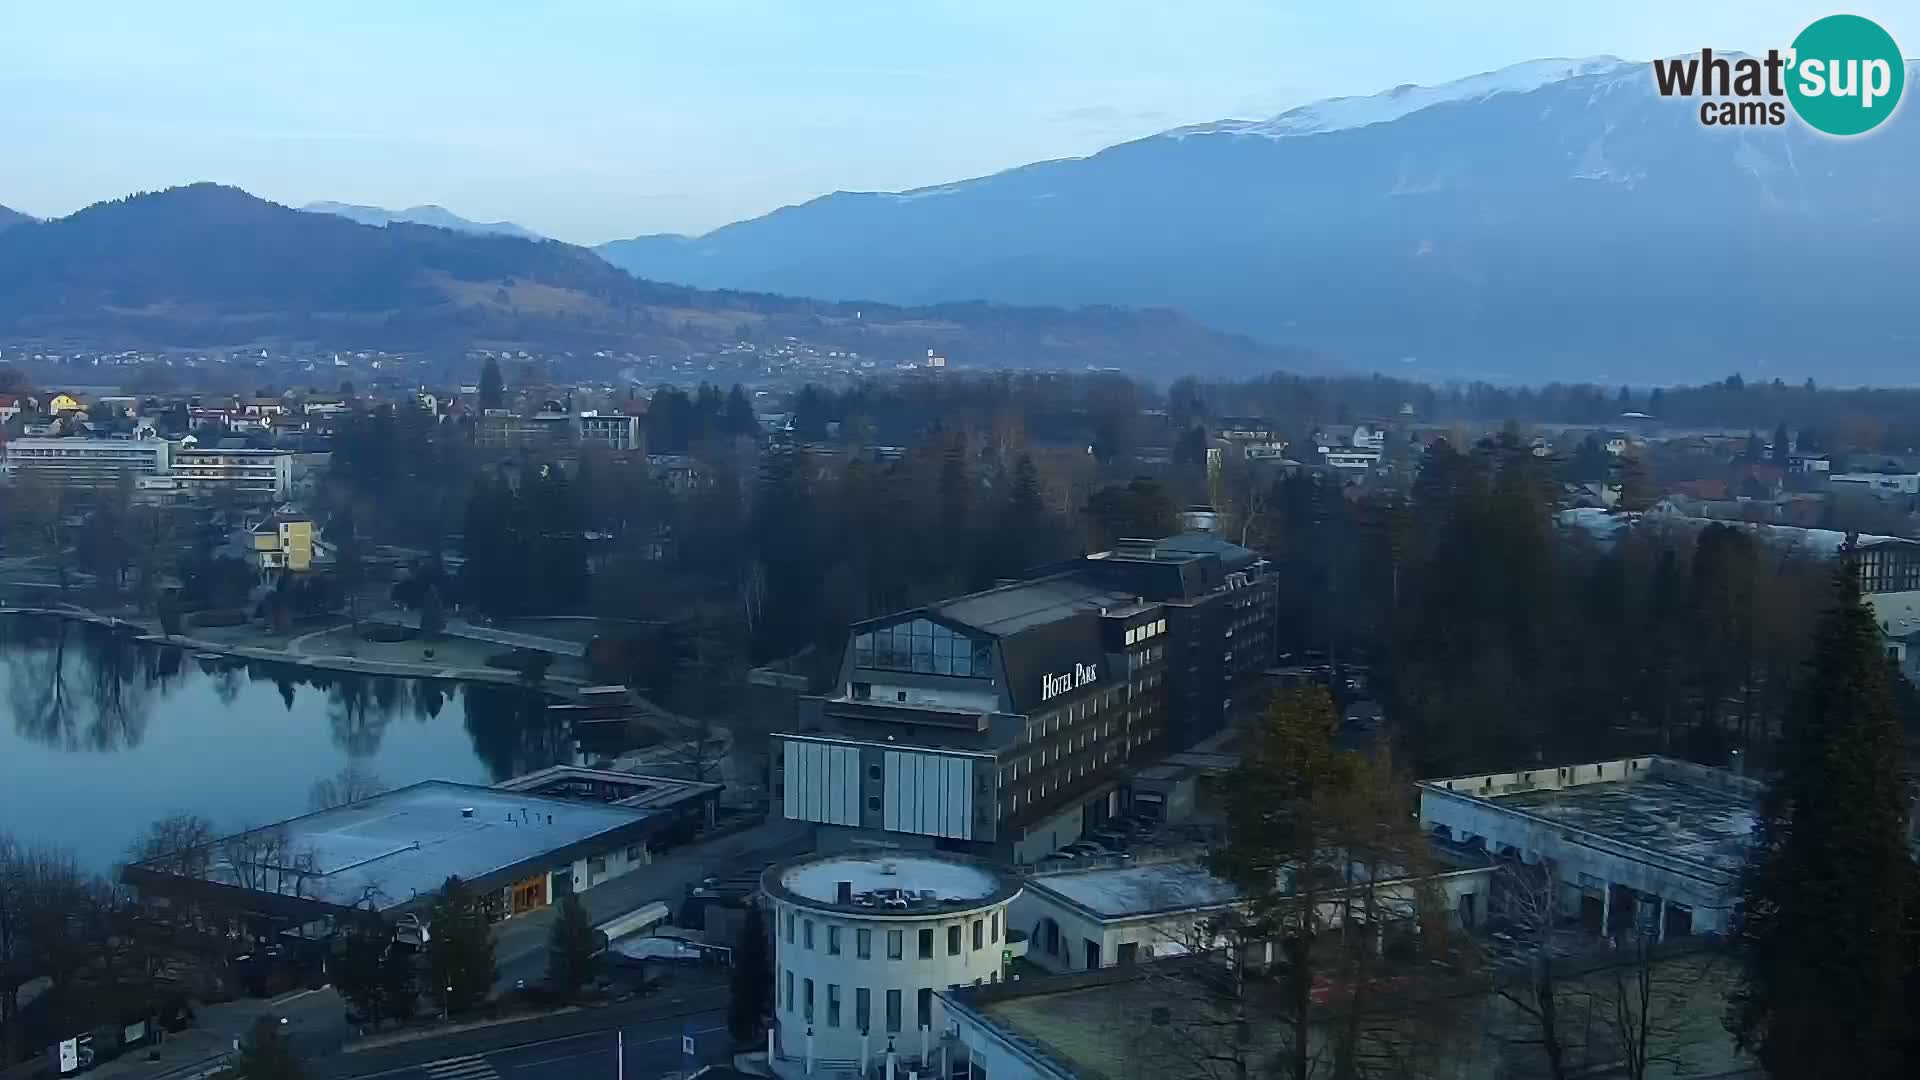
(863, 943)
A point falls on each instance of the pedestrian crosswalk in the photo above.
(470, 1067)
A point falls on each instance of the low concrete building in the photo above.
(391, 854)
(1081, 919)
(1172, 1019)
(1651, 841)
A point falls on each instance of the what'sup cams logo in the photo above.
(1843, 76)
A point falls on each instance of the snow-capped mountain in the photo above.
(1342, 113)
(1555, 219)
(437, 216)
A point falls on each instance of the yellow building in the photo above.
(63, 403)
(282, 542)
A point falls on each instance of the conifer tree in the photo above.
(1826, 896)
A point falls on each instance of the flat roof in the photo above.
(1134, 891)
(1697, 824)
(642, 789)
(928, 882)
(1010, 609)
(398, 846)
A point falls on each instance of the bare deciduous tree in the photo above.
(265, 860)
(180, 843)
(352, 784)
(1527, 972)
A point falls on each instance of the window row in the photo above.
(923, 646)
(985, 931)
(862, 1018)
(1150, 630)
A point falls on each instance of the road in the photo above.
(520, 943)
(652, 1048)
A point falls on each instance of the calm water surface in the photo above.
(100, 735)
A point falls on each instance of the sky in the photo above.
(591, 121)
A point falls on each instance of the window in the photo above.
(924, 1014)
(863, 944)
(806, 934)
(633, 853)
(979, 935)
(873, 772)
(873, 803)
(926, 943)
(1129, 952)
(806, 999)
(833, 1005)
(597, 864)
(953, 940)
(893, 1011)
(862, 1008)
(789, 927)
(996, 929)
(894, 942)
(833, 941)
(789, 991)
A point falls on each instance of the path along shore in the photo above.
(147, 630)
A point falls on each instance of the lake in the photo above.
(102, 734)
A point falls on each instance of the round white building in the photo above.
(863, 942)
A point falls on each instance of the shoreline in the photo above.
(143, 631)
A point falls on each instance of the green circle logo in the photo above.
(1845, 75)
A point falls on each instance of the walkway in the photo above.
(489, 634)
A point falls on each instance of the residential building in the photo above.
(678, 472)
(865, 942)
(1887, 484)
(1648, 842)
(248, 474)
(87, 463)
(281, 542)
(610, 431)
(1244, 429)
(1350, 459)
(498, 429)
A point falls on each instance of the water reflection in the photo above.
(107, 733)
(78, 691)
(79, 687)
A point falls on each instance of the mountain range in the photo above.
(1556, 220)
(437, 216)
(11, 217)
(206, 265)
